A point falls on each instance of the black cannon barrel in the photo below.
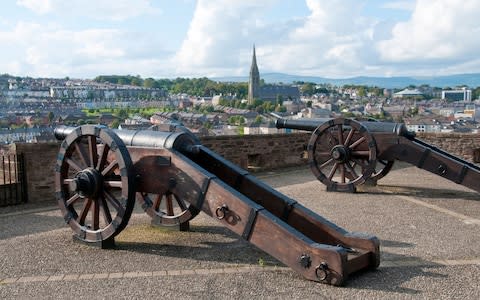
(301, 124)
(311, 124)
(180, 140)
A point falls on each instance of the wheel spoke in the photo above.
(73, 164)
(362, 153)
(81, 154)
(342, 173)
(114, 202)
(84, 212)
(169, 204)
(105, 209)
(332, 171)
(112, 183)
(340, 134)
(181, 204)
(67, 181)
(96, 214)
(349, 136)
(103, 157)
(351, 170)
(72, 199)
(331, 139)
(326, 163)
(358, 142)
(110, 167)
(157, 201)
(92, 150)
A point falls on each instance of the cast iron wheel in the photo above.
(94, 183)
(167, 209)
(342, 154)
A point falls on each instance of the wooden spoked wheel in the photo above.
(167, 209)
(94, 184)
(342, 154)
(381, 169)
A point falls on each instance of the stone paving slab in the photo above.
(428, 227)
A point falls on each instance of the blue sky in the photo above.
(187, 38)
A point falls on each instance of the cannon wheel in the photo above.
(167, 209)
(94, 183)
(342, 147)
(382, 168)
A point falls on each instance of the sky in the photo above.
(214, 38)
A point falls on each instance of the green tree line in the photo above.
(192, 86)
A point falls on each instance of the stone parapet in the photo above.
(251, 152)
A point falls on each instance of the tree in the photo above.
(149, 83)
(258, 119)
(122, 114)
(308, 88)
(279, 99)
(115, 123)
(476, 93)
(50, 117)
(361, 91)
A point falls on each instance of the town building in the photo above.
(408, 93)
(457, 95)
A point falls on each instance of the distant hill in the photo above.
(471, 80)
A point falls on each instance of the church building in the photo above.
(267, 92)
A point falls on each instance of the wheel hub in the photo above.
(87, 183)
(339, 153)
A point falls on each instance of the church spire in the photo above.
(254, 79)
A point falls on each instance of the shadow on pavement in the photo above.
(20, 225)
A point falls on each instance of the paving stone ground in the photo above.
(428, 227)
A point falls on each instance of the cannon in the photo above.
(101, 173)
(345, 153)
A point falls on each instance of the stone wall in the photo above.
(252, 152)
(260, 152)
(39, 161)
(466, 146)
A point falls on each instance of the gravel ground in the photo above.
(428, 228)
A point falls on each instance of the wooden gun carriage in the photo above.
(101, 173)
(344, 153)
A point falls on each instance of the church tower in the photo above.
(254, 80)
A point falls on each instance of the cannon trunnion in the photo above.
(344, 153)
(101, 173)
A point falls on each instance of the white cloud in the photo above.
(218, 32)
(331, 41)
(438, 31)
(408, 5)
(37, 6)
(113, 10)
(50, 51)
(221, 34)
